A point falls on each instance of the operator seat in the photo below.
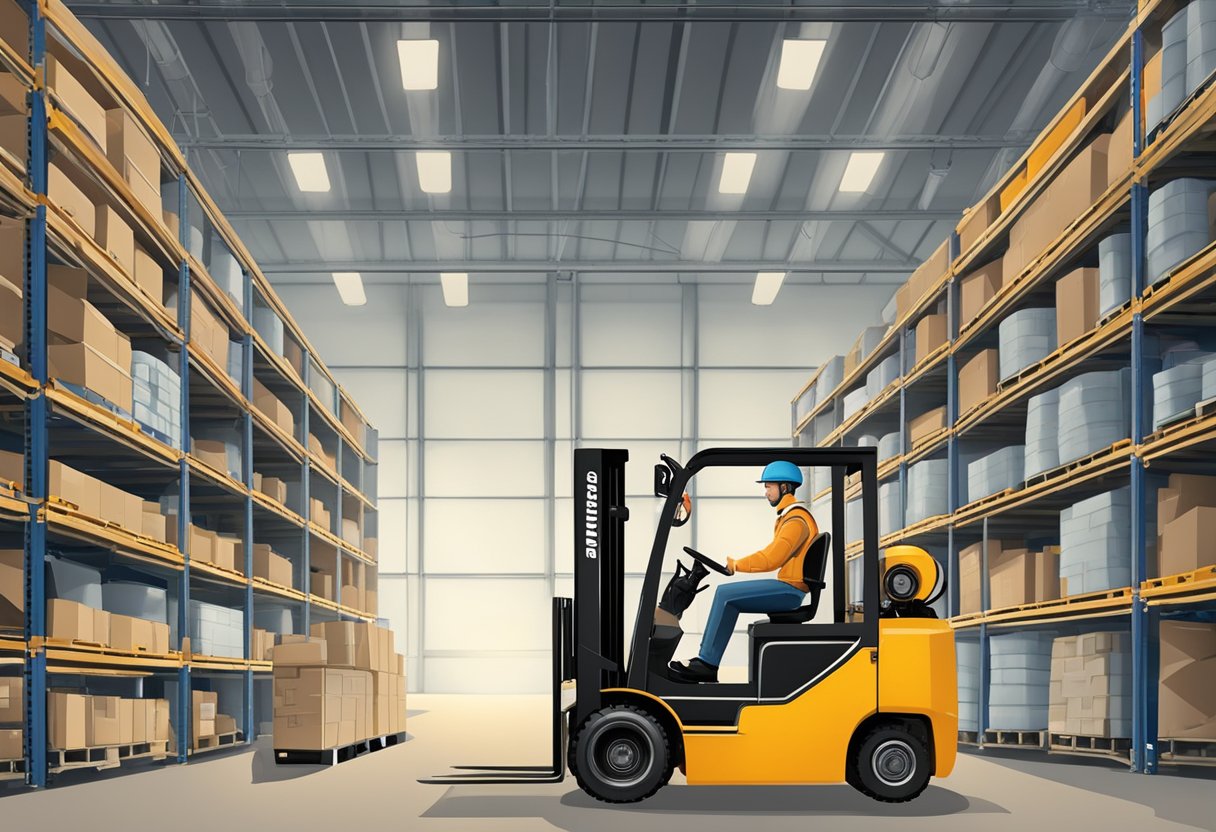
(814, 566)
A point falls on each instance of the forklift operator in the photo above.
(795, 529)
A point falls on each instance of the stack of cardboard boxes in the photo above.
(84, 348)
(854, 401)
(224, 551)
(1020, 672)
(925, 425)
(1077, 304)
(1091, 685)
(352, 526)
(216, 630)
(206, 722)
(321, 583)
(929, 274)
(94, 498)
(12, 716)
(1186, 707)
(272, 408)
(136, 158)
(12, 279)
(272, 566)
(318, 449)
(218, 445)
(72, 621)
(1017, 575)
(977, 289)
(272, 487)
(208, 334)
(342, 685)
(14, 119)
(1186, 520)
(82, 721)
(977, 379)
(1095, 544)
(157, 396)
(932, 332)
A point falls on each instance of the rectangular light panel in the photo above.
(799, 63)
(736, 172)
(768, 284)
(309, 171)
(455, 288)
(350, 288)
(860, 172)
(419, 64)
(434, 171)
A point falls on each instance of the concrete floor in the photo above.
(246, 790)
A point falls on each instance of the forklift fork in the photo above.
(563, 671)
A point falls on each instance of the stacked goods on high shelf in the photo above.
(12, 589)
(12, 247)
(1095, 544)
(1186, 524)
(157, 391)
(117, 615)
(1017, 575)
(95, 498)
(342, 685)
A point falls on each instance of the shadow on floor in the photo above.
(569, 811)
(266, 770)
(1181, 794)
(412, 714)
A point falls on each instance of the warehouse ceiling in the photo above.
(590, 138)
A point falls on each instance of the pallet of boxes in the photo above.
(337, 693)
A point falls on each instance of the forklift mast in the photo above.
(599, 574)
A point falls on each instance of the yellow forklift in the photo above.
(869, 697)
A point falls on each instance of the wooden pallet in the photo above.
(1062, 471)
(12, 770)
(104, 757)
(1091, 746)
(984, 502)
(1114, 313)
(216, 742)
(1187, 752)
(1034, 740)
(1203, 575)
(339, 754)
(971, 738)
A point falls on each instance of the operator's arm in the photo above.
(789, 539)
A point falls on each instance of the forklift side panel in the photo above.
(918, 676)
(804, 741)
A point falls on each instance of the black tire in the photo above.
(620, 755)
(891, 765)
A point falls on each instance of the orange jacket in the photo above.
(792, 536)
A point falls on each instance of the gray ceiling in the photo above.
(593, 145)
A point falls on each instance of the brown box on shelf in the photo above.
(352, 597)
(272, 407)
(976, 289)
(202, 544)
(73, 320)
(322, 585)
(1047, 574)
(274, 488)
(204, 706)
(224, 724)
(82, 365)
(931, 333)
(12, 702)
(272, 566)
(926, 424)
(300, 651)
(319, 514)
(213, 452)
(970, 571)
(77, 101)
(101, 627)
(315, 446)
(75, 487)
(350, 531)
(1185, 543)
(1184, 492)
(207, 332)
(67, 195)
(126, 721)
(977, 221)
(11, 747)
(68, 717)
(149, 276)
(11, 314)
(115, 236)
(133, 634)
(1077, 304)
(12, 469)
(228, 553)
(371, 547)
(103, 721)
(12, 250)
(977, 379)
(69, 621)
(1119, 154)
(139, 719)
(294, 355)
(1186, 707)
(1010, 578)
(13, 136)
(153, 524)
(162, 720)
(930, 273)
(131, 152)
(12, 89)
(262, 642)
(121, 508)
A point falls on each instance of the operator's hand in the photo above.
(730, 565)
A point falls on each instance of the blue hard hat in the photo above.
(781, 472)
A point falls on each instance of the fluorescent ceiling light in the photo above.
(860, 171)
(350, 287)
(309, 169)
(419, 64)
(736, 172)
(455, 288)
(768, 284)
(799, 63)
(435, 171)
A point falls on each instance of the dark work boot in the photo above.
(695, 671)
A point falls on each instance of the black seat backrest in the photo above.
(815, 565)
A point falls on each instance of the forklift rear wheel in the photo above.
(892, 765)
(621, 755)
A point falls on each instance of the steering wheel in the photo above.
(712, 564)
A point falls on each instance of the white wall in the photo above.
(479, 410)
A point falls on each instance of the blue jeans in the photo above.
(765, 595)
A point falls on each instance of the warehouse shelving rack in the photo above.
(51, 411)
(1121, 339)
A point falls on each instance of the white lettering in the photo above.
(591, 517)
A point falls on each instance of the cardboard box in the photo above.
(77, 488)
(154, 524)
(304, 652)
(121, 508)
(1047, 574)
(139, 719)
(101, 627)
(977, 379)
(13, 92)
(12, 469)
(204, 707)
(77, 101)
(126, 721)
(224, 724)
(202, 544)
(82, 365)
(1077, 304)
(207, 333)
(1047, 147)
(274, 488)
(1186, 707)
(1184, 492)
(931, 332)
(70, 199)
(272, 566)
(977, 221)
(976, 289)
(115, 236)
(133, 634)
(104, 721)
(12, 699)
(1119, 156)
(12, 588)
(68, 716)
(1186, 542)
(69, 621)
(272, 408)
(322, 585)
(11, 747)
(131, 151)
(319, 514)
(211, 452)
(14, 137)
(926, 424)
(228, 553)
(149, 276)
(1010, 578)
(12, 323)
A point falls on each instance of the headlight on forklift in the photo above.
(909, 573)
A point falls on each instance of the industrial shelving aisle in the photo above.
(300, 476)
(1125, 338)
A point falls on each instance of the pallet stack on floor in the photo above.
(204, 486)
(1055, 409)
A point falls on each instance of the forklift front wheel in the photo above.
(621, 755)
(892, 765)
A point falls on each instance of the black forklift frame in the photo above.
(587, 631)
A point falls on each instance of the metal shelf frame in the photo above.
(27, 199)
(1142, 604)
